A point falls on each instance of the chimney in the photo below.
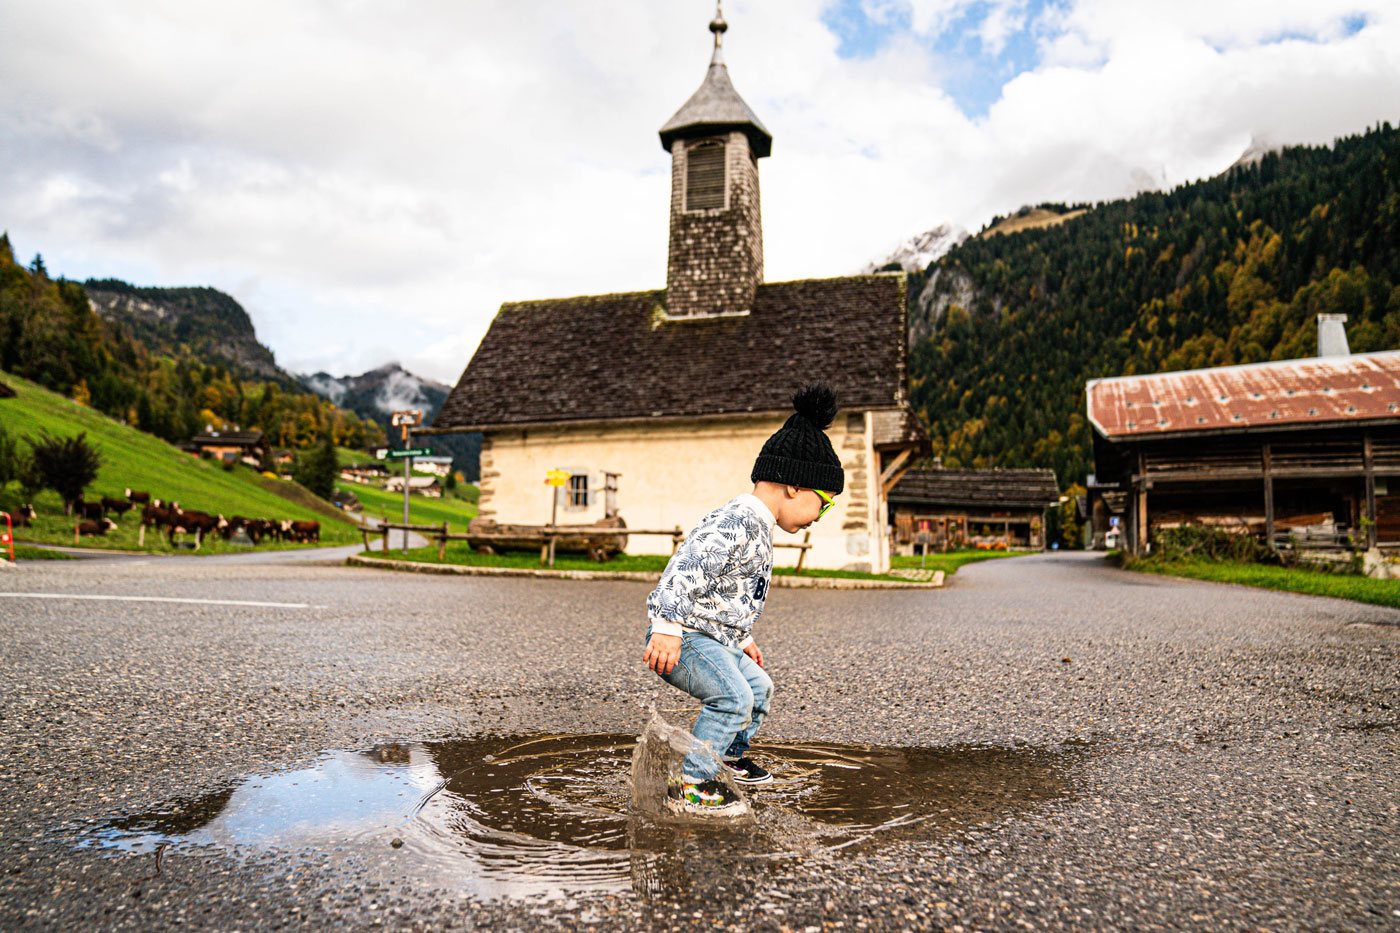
(1332, 335)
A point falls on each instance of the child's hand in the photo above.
(663, 651)
(753, 651)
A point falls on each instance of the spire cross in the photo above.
(718, 26)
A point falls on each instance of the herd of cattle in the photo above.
(93, 519)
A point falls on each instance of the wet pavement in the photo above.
(1048, 743)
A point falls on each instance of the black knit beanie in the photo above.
(799, 454)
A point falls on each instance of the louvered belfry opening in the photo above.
(704, 177)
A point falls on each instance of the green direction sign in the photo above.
(410, 452)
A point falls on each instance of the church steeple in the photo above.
(716, 250)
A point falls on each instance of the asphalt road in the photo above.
(1207, 757)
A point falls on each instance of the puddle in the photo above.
(552, 815)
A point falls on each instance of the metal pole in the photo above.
(407, 444)
(553, 520)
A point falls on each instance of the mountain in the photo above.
(379, 393)
(917, 251)
(194, 365)
(1005, 330)
(212, 325)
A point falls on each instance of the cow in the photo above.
(302, 531)
(140, 498)
(92, 511)
(158, 515)
(120, 506)
(251, 526)
(99, 527)
(201, 523)
(22, 517)
(259, 528)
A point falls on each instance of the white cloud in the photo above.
(372, 184)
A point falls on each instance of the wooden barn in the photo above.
(1302, 453)
(969, 508)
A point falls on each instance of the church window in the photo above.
(704, 176)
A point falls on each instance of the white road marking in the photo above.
(162, 599)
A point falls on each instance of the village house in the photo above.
(417, 486)
(945, 509)
(250, 447)
(364, 473)
(1300, 453)
(656, 403)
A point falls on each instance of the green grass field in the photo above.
(421, 510)
(142, 462)
(459, 553)
(1290, 579)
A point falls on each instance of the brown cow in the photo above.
(92, 511)
(120, 506)
(22, 517)
(201, 523)
(302, 531)
(140, 498)
(100, 527)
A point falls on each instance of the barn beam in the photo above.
(892, 473)
(1266, 454)
(1370, 490)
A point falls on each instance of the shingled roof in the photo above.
(616, 357)
(1004, 489)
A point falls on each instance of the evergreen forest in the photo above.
(1233, 269)
(50, 335)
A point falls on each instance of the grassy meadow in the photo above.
(458, 552)
(133, 459)
(1289, 579)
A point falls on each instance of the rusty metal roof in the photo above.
(1321, 390)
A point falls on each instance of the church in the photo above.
(656, 403)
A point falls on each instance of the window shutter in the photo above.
(704, 181)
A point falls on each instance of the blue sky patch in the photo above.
(972, 72)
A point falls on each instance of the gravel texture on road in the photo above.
(1230, 754)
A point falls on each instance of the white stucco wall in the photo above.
(673, 473)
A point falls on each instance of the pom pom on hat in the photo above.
(816, 403)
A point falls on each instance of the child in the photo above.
(703, 610)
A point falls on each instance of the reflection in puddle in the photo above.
(546, 816)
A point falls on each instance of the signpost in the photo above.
(407, 419)
(554, 479)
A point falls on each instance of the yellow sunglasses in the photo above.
(827, 501)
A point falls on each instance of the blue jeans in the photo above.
(735, 692)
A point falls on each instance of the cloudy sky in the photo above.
(371, 180)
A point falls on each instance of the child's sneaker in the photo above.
(704, 798)
(744, 771)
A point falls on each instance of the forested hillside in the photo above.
(50, 334)
(1006, 330)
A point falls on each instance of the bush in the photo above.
(1199, 542)
(67, 465)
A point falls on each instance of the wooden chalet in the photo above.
(231, 446)
(962, 508)
(656, 403)
(1302, 453)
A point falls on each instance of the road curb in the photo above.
(782, 582)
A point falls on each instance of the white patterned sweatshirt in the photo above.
(717, 580)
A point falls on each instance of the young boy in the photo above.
(713, 589)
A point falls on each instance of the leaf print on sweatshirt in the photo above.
(708, 584)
